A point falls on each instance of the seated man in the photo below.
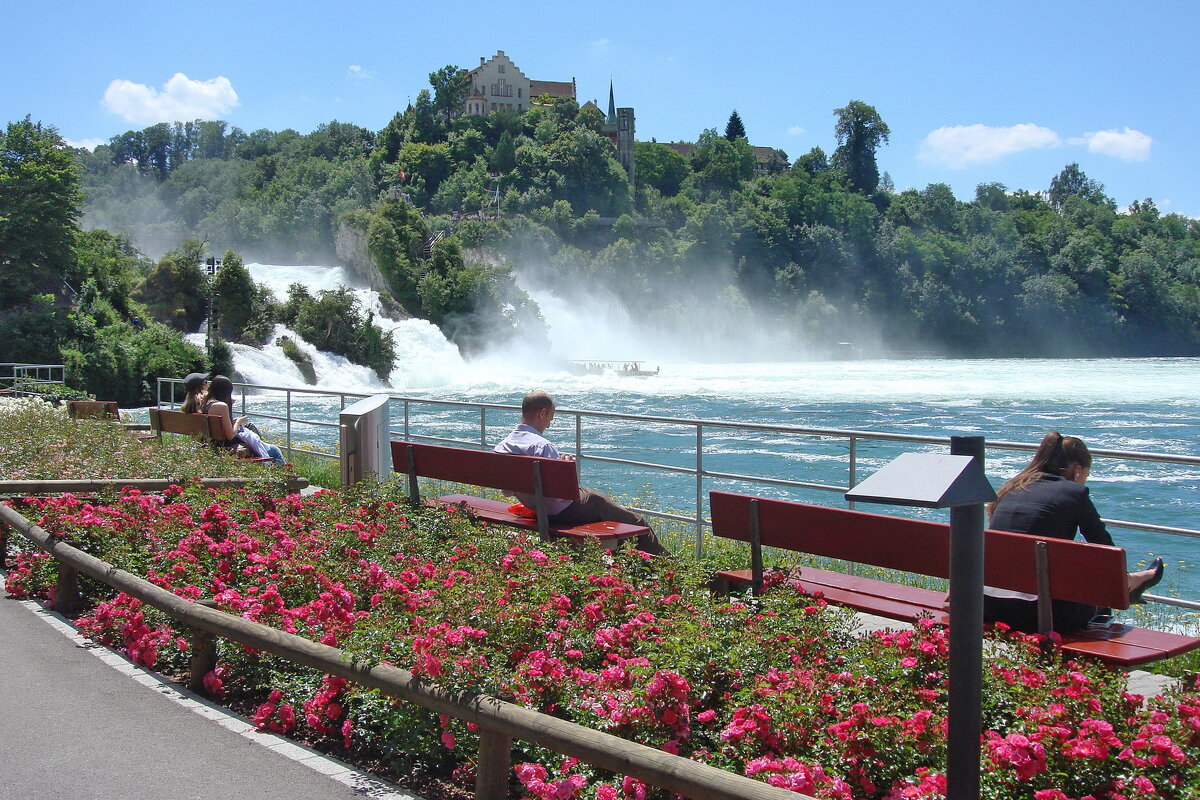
(537, 411)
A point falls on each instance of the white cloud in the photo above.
(1127, 145)
(959, 145)
(796, 130)
(180, 99)
(86, 144)
(599, 46)
(358, 73)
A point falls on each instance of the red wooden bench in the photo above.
(205, 427)
(529, 475)
(92, 409)
(1049, 568)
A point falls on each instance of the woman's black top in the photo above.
(1054, 507)
(1051, 506)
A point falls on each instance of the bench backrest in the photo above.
(528, 475)
(204, 426)
(1079, 571)
(508, 473)
(92, 409)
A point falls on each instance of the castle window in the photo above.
(501, 68)
(518, 92)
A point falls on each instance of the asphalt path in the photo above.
(75, 725)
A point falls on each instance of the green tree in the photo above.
(235, 295)
(39, 205)
(1071, 182)
(504, 154)
(333, 321)
(722, 165)
(859, 131)
(659, 166)
(450, 85)
(734, 129)
(176, 290)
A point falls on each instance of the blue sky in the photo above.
(973, 92)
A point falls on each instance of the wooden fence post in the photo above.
(66, 590)
(494, 767)
(204, 653)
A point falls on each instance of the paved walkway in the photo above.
(82, 722)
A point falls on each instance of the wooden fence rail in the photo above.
(500, 721)
(30, 487)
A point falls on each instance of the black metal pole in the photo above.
(966, 639)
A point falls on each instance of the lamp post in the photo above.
(957, 482)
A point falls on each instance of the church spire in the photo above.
(612, 106)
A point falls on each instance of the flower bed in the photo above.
(40, 442)
(776, 688)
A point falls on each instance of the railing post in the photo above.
(66, 590)
(204, 653)
(494, 767)
(853, 477)
(406, 435)
(699, 490)
(289, 423)
(483, 427)
(851, 567)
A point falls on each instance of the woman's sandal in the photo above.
(1135, 596)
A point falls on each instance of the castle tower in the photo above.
(619, 129)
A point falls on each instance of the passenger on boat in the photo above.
(1048, 498)
(537, 412)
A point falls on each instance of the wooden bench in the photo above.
(205, 427)
(529, 475)
(1049, 568)
(92, 409)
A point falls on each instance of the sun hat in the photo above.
(194, 381)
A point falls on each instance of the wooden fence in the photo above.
(500, 722)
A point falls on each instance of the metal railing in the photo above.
(23, 379)
(169, 394)
(416, 418)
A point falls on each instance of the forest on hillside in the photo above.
(450, 208)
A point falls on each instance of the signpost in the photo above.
(957, 482)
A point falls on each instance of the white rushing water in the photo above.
(598, 327)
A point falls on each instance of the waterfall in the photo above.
(424, 358)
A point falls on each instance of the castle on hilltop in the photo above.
(498, 84)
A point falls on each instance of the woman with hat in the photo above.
(196, 385)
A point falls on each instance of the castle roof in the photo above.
(552, 88)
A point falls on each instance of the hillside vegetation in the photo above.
(821, 249)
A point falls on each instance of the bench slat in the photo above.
(560, 478)
(1129, 646)
(1122, 645)
(497, 511)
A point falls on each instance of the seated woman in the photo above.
(195, 385)
(220, 403)
(1048, 498)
